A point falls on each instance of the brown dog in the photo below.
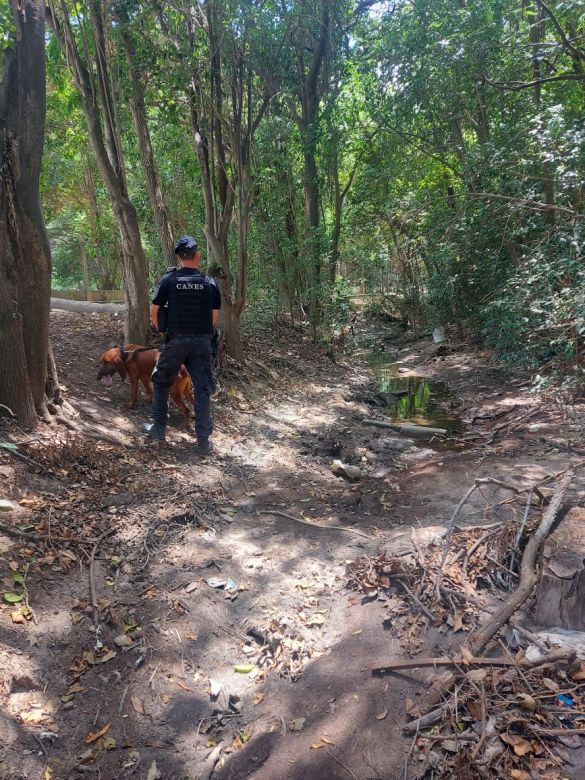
(138, 363)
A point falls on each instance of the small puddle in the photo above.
(413, 398)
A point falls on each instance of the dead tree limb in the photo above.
(478, 640)
(528, 570)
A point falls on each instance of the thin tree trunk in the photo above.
(25, 260)
(108, 156)
(537, 34)
(138, 108)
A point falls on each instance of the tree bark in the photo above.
(108, 156)
(25, 260)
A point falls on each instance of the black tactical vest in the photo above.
(190, 302)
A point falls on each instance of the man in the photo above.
(193, 302)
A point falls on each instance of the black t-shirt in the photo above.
(191, 296)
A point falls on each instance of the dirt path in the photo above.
(221, 623)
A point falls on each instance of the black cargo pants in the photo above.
(195, 353)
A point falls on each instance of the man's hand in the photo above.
(154, 315)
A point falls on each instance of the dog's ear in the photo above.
(119, 363)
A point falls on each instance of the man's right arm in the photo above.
(160, 299)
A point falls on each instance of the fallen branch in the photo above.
(417, 601)
(528, 574)
(210, 762)
(409, 429)
(9, 530)
(478, 640)
(18, 454)
(449, 533)
(513, 423)
(92, 588)
(278, 513)
(416, 663)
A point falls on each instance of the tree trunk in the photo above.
(108, 156)
(138, 108)
(337, 211)
(230, 325)
(537, 35)
(25, 260)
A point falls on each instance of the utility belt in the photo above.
(215, 339)
(189, 336)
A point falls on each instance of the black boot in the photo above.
(203, 447)
(156, 434)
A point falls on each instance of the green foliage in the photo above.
(446, 187)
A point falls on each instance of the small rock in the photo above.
(123, 640)
(7, 506)
(353, 473)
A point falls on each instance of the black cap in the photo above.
(185, 244)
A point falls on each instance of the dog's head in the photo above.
(110, 362)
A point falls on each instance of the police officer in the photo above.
(192, 300)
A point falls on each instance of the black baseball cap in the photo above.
(185, 244)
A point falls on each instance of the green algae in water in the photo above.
(418, 399)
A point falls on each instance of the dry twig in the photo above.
(349, 530)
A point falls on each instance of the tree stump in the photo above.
(561, 591)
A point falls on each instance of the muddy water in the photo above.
(413, 398)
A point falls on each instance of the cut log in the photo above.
(88, 307)
(561, 590)
(408, 429)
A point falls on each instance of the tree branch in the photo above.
(516, 85)
(580, 55)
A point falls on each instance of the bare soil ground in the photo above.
(225, 638)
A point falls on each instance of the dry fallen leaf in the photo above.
(579, 674)
(455, 621)
(191, 586)
(93, 736)
(477, 675)
(297, 724)
(153, 773)
(519, 774)
(323, 742)
(137, 705)
(474, 709)
(382, 715)
(526, 702)
(520, 745)
(37, 715)
(259, 698)
(466, 655)
(184, 686)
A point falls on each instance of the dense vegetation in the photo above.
(431, 150)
